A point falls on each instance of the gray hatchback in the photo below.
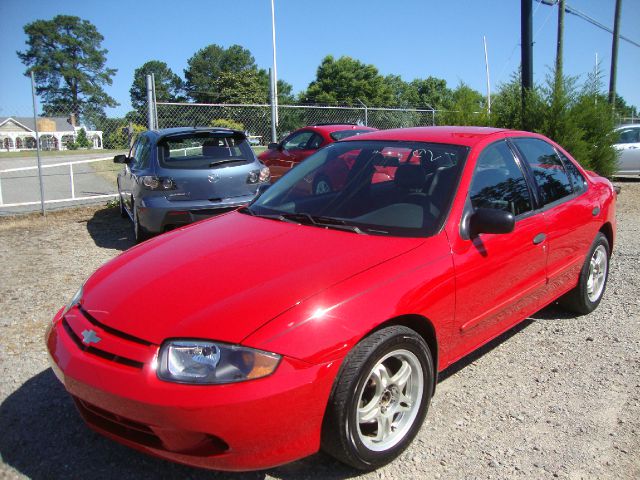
(176, 176)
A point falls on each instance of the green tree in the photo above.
(432, 92)
(346, 81)
(467, 107)
(214, 67)
(68, 61)
(169, 86)
(81, 139)
(506, 106)
(595, 119)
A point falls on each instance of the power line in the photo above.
(584, 16)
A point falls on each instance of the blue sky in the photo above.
(410, 38)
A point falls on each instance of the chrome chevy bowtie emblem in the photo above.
(214, 177)
(89, 336)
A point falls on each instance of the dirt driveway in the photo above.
(559, 396)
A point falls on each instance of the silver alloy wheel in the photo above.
(597, 273)
(389, 400)
(322, 187)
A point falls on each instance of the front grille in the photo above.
(117, 425)
(111, 330)
(98, 352)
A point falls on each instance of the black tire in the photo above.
(582, 299)
(123, 211)
(139, 232)
(353, 442)
(322, 185)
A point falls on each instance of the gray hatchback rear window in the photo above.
(203, 150)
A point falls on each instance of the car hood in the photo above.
(224, 278)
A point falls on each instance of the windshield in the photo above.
(378, 187)
(204, 150)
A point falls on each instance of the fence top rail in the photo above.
(51, 165)
(324, 107)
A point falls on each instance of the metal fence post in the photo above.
(274, 112)
(35, 124)
(1, 201)
(73, 188)
(150, 115)
(366, 112)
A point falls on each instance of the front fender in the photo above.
(326, 326)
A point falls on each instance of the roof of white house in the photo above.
(61, 123)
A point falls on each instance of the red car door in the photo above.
(499, 277)
(570, 209)
(291, 151)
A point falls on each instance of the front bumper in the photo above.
(158, 214)
(243, 426)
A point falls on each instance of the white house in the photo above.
(19, 133)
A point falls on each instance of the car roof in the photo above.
(467, 136)
(628, 125)
(178, 130)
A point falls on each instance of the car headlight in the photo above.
(203, 362)
(265, 175)
(75, 300)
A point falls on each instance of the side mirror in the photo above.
(120, 159)
(490, 220)
(262, 188)
(273, 146)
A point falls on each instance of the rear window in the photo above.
(204, 150)
(341, 134)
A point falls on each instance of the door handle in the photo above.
(539, 238)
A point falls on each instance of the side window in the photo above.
(315, 142)
(142, 154)
(577, 180)
(297, 141)
(132, 152)
(498, 182)
(628, 135)
(547, 168)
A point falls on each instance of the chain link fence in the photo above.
(256, 119)
(77, 153)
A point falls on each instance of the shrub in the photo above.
(226, 123)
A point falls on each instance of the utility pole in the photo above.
(614, 54)
(526, 28)
(560, 43)
(274, 76)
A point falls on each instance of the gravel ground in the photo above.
(558, 396)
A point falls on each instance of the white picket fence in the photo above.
(72, 183)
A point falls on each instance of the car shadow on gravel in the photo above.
(109, 230)
(43, 437)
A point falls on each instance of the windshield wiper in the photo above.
(302, 218)
(326, 222)
(228, 160)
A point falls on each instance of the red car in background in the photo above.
(282, 157)
(312, 320)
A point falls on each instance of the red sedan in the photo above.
(321, 320)
(295, 147)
